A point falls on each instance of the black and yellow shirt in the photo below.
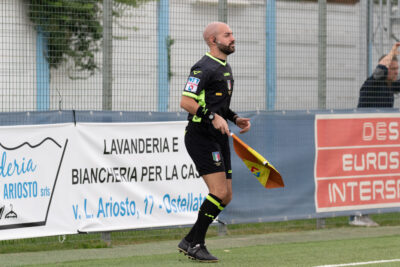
(210, 83)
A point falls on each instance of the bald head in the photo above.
(220, 40)
(212, 30)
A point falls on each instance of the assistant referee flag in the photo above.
(265, 173)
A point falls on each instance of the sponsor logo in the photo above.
(191, 85)
(195, 72)
(9, 215)
(227, 74)
(29, 173)
(255, 171)
(357, 168)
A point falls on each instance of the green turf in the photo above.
(302, 248)
(286, 254)
(144, 236)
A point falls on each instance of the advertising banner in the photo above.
(67, 178)
(31, 161)
(103, 172)
(357, 161)
(134, 176)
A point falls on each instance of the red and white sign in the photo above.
(357, 161)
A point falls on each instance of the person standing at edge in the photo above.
(378, 92)
(379, 89)
(207, 96)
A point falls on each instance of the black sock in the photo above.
(189, 236)
(209, 210)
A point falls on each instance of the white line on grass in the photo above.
(358, 263)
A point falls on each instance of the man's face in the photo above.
(225, 40)
(393, 71)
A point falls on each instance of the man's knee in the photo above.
(221, 193)
(225, 196)
(227, 199)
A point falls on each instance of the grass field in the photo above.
(300, 248)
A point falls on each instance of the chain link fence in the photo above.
(135, 55)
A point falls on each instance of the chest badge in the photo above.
(229, 83)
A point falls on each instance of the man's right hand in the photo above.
(220, 124)
(395, 50)
(387, 60)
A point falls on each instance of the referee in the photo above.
(207, 96)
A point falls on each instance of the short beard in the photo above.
(226, 49)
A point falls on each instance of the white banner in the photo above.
(66, 178)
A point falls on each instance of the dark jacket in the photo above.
(376, 92)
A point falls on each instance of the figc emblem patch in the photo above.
(217, 158)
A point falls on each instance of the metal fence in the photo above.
(135, 55)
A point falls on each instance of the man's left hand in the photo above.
(244, 124)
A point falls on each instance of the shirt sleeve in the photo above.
(230, 115)
(195, 83)
(380, 73)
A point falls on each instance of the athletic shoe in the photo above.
(183, 246)
(200, 253)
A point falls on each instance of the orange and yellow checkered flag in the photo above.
(265, 173)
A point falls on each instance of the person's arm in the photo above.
(243, 123)
(387, 60)
(191, 106)
(381, 71)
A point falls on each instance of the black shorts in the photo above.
(209, 149)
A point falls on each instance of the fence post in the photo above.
(106, 237)
(381, 27)
(322, 54)
(222, 228)
(370, 35)
(223, 11)
(42, 72)
(107, 55)
(320, 223)
(270, 61)
(162, 55)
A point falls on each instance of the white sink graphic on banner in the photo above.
(28, 172)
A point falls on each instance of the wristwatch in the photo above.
(211, 116)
